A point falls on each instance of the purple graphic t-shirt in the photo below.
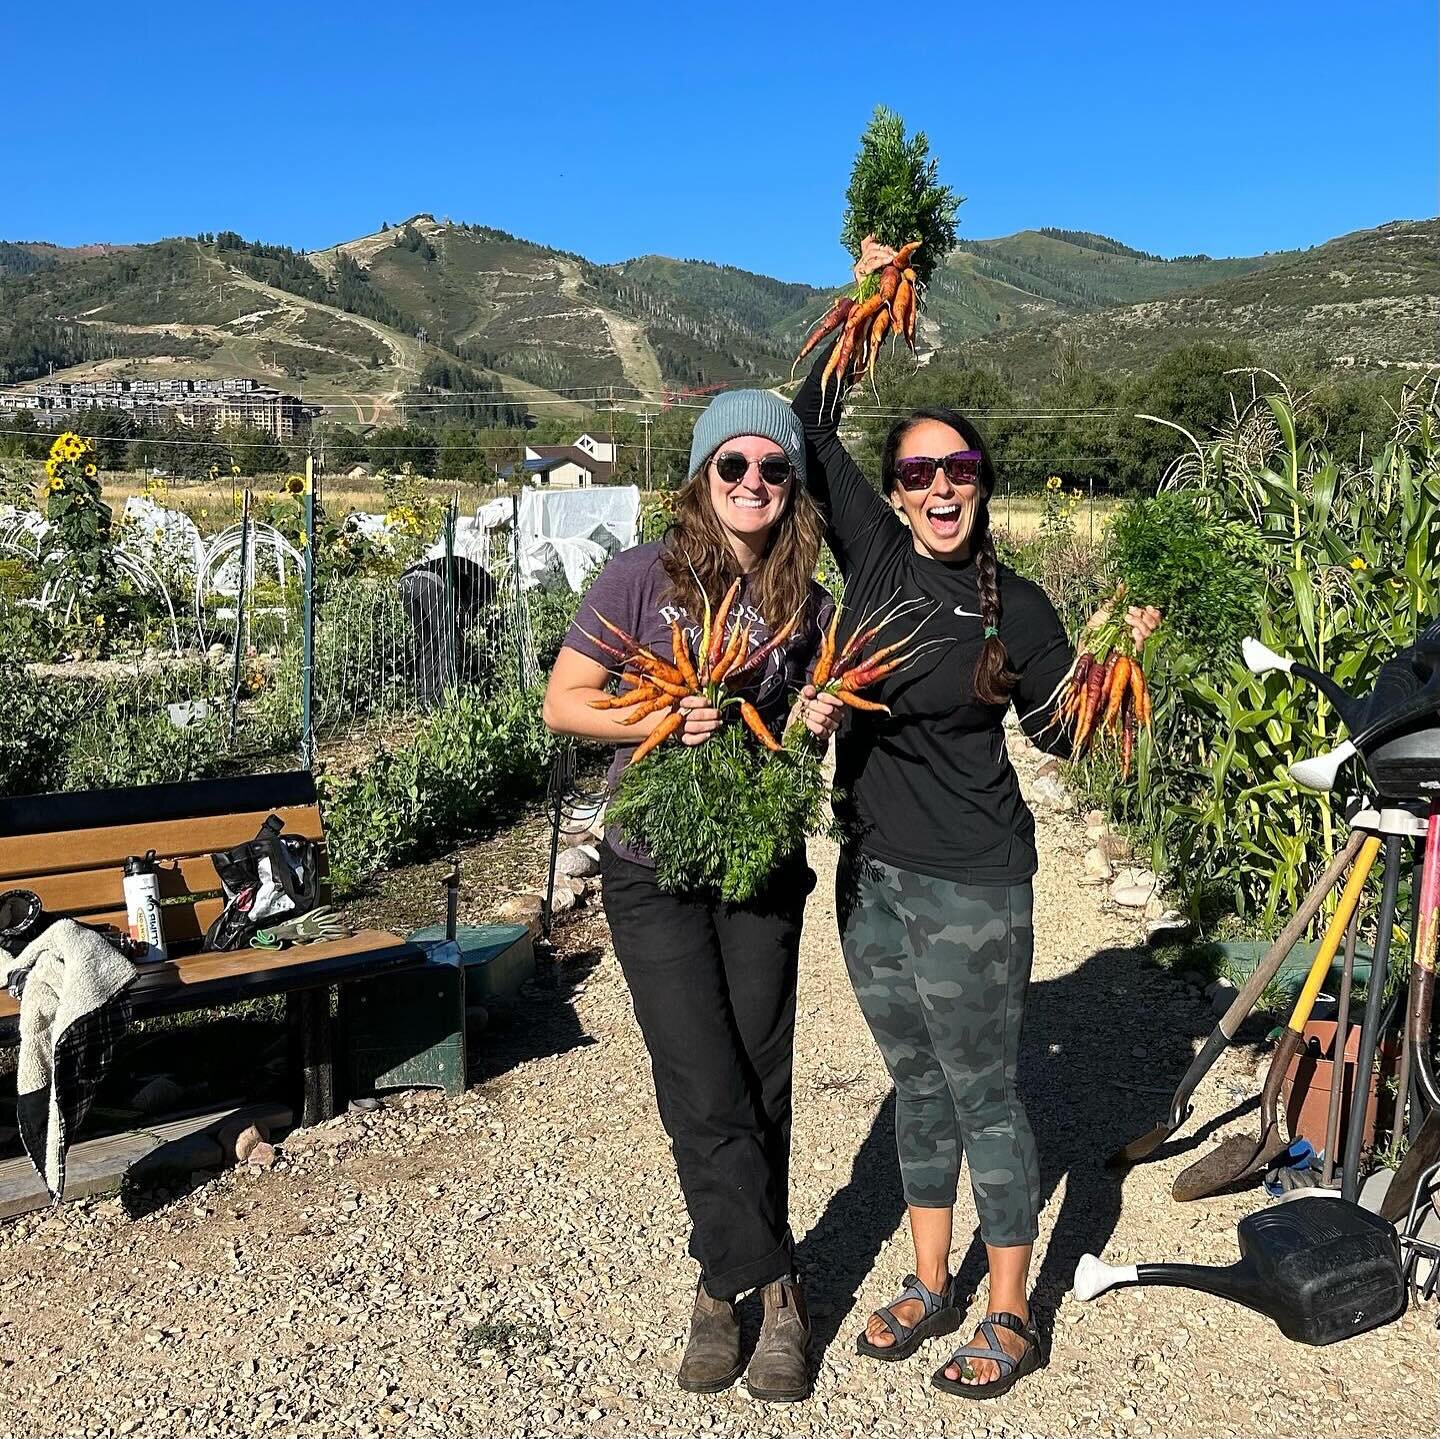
(633, 591)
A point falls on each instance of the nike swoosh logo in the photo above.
(968, 614)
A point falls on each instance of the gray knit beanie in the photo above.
(748, 412)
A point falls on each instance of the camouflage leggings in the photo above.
(940, 970)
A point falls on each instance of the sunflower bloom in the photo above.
(89, 472)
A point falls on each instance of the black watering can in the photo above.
(1322, 1268)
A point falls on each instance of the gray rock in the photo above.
(578, 862)
(1133, 888)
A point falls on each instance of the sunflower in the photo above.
(57, 483)
(89, 472)
(294, 484)
(1053, 483)
(51, 466)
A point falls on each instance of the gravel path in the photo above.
(513, 1262)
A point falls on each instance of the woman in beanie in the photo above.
(934, 896)
(713, 985)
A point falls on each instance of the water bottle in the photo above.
(142, 903)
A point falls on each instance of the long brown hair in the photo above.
(697, 548)
(994, 679)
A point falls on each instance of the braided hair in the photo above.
(994, 679)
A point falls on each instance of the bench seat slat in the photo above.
(30, 856)
(182, 983)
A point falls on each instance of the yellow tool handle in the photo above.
(1334, 933)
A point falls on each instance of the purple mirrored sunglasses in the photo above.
(917, 472)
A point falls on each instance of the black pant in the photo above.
(713, 987)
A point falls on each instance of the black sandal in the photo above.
(1012, 1370)
(941, 1316)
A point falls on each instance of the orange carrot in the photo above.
(731, 657)
(1117, 687)
(680, 652)
(903, 254)
(622, 702)
(717, 626)
(856, 703)
(826, 662)
(756, 725)
(661, 702)
(658, 735)
(1140, 695)
(831, 321)
(878, 331)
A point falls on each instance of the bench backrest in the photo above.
(71, 848)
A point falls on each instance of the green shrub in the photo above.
(469, 759)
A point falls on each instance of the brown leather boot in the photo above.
(780, 1367)
(712, 1354)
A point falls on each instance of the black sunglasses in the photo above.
(732, 467)
(917, 472)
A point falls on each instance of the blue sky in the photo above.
(718, 132)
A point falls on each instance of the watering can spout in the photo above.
(1319, 771)
(1093, 1276)
(1260, 659)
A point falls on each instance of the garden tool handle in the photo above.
(1269, 967)
(1334, 934)
(1422, 972)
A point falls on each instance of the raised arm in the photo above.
(858, 521)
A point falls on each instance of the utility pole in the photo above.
(647, 419)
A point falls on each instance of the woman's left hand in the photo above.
(821, 713)
(1142, 621)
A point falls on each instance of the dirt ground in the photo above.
(513, 1262)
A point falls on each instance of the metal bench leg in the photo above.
(310, 1020)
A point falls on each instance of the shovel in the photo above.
(1238, 1157)
(1235, 1016)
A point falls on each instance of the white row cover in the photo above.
(565, 535)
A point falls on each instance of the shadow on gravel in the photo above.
(538, 1022)
(1104, 1047)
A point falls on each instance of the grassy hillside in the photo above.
(1370, 300)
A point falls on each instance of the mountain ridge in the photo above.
(358, 321)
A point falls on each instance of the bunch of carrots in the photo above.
(722, 661)
(843, 670)
(653, 684)
(1105, 695)
(889, 306)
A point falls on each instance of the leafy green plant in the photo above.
(1206, 572)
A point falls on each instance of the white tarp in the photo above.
(167, 540)
(565, 535)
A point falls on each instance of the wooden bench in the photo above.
(70, 849)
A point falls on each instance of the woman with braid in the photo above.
(934, 887)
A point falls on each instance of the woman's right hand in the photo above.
(702, 719)
(873, 256)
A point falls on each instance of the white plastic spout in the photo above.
(1319, 771)
(1093, 1276)
(1261, 659)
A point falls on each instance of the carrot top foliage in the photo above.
(895, 194)
(721, 817)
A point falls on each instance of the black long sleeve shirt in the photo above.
(930, 788)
